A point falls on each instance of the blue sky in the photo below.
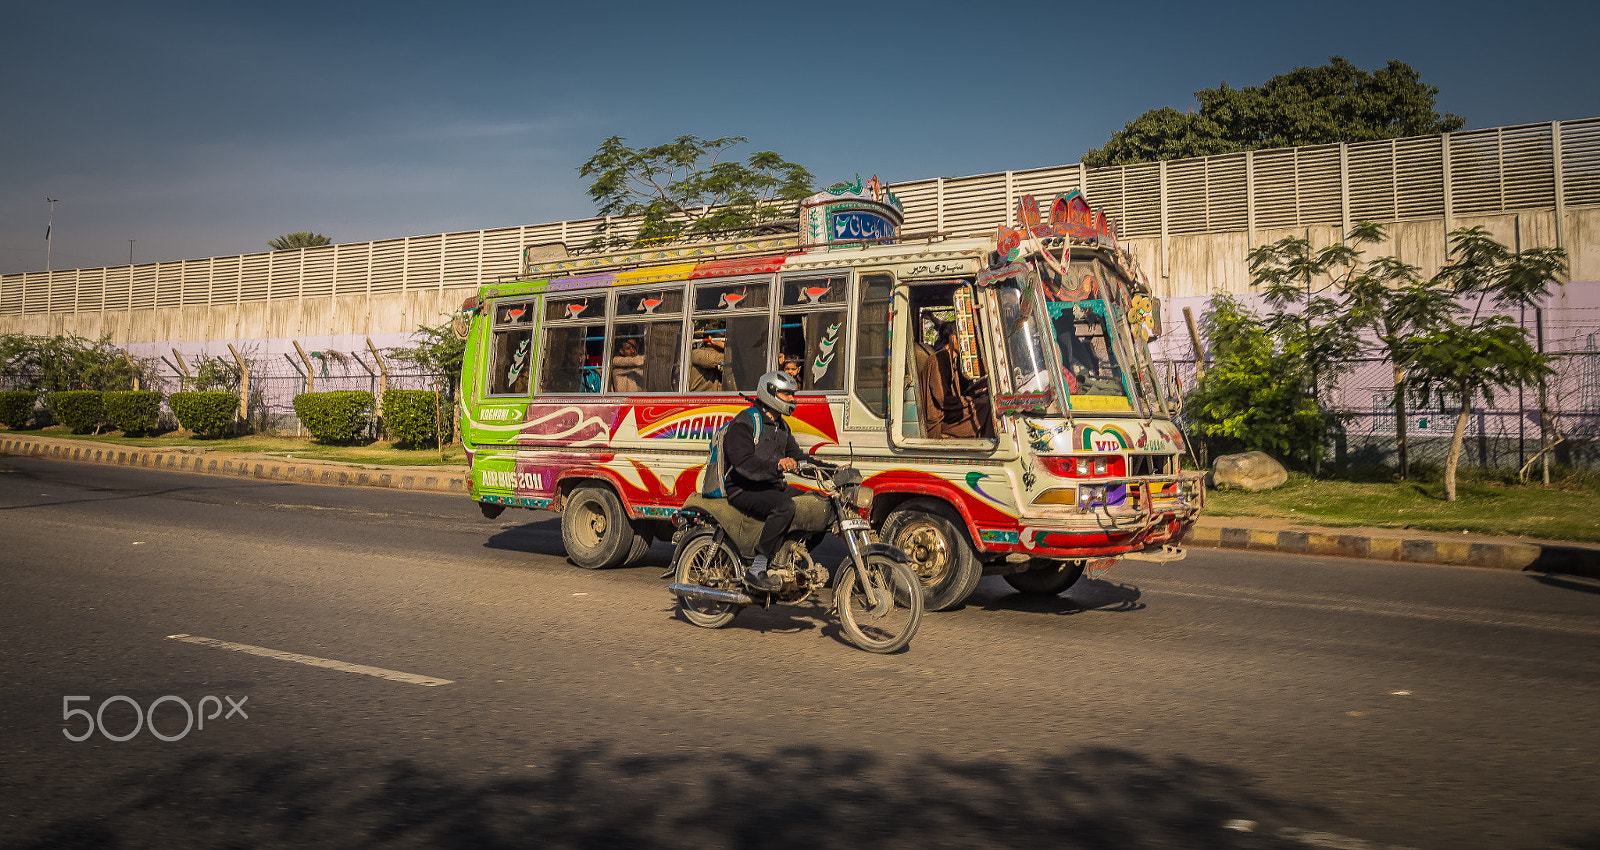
(206, 128)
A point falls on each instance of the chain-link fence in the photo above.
(274, 381)
(1503, 435)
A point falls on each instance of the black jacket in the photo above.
(755, 441)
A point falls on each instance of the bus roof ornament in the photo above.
(858, 213)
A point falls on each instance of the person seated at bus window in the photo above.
(794, 367)
(578, 373)
(627, 368)
(952, 405)
(706, 361)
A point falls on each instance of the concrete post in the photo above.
(183, 383)
(244, 384)
(311, 379)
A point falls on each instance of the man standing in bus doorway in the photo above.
(748, 459)
(706, 360)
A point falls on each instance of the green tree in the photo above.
(1462, 354)
(65, 362)
(1256, 393)
(298, 239)
(1381, 303)
(436, 351)
(1336, 102)
(685, 188)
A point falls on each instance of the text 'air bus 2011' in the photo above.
(997, 391)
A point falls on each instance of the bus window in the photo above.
(645, 351)
(512, 349)
(947, 388)
(814, 337)
(729, 343)
(1030, 368)
(644, 357)
(571, 360)
(872, 344)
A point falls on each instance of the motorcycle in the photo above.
(876, 593)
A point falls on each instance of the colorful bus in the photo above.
(996, 391)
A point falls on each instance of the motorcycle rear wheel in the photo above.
(892, 623)
(705, 563)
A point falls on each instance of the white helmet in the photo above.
(773, 383)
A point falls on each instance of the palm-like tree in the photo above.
(298, 239)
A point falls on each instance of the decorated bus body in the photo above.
(1033, 442)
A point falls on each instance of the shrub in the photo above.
(133, 411)
(207, 414)
(411, 417)
(336, 417)
(80, 410)
(16, 408)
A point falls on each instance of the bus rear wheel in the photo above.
(940, 554)
(595, 529)
(1047, 579)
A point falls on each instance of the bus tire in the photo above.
(940, 553)
(636, 552)
(595, 529)
(1047, 580)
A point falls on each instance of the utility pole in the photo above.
(47, 228)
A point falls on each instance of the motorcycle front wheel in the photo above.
(892, 622)
(705, 563)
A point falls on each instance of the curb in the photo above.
(1492, 554)
(178, 461)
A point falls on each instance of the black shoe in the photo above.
(762, 580)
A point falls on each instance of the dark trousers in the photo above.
(776, 506)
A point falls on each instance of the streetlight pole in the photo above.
(130, 251)
(47, 228)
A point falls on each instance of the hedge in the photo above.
(336, 417)
(410, 417)
(207, 414)
(133, 411)
(80, 410)
(16, 408)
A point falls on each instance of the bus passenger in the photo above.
(627, 368)
(706, 360)
(952, 404)
(793, 366)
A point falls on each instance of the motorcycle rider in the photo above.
(748, 458)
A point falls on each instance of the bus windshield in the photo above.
(1086, 320)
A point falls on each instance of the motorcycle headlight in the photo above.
(863, 497)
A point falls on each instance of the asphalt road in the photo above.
(1230, 700)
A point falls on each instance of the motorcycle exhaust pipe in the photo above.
(709, 594)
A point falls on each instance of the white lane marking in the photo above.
(392, 675)
(1333, 841)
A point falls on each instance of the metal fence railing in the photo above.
(1503, 434)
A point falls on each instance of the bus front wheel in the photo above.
(595, 529)
(939, 551)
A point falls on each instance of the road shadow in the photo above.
(1568, 584)
(1088, 594)
(695, 796)
(543, 537)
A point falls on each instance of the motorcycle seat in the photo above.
(810, 516)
